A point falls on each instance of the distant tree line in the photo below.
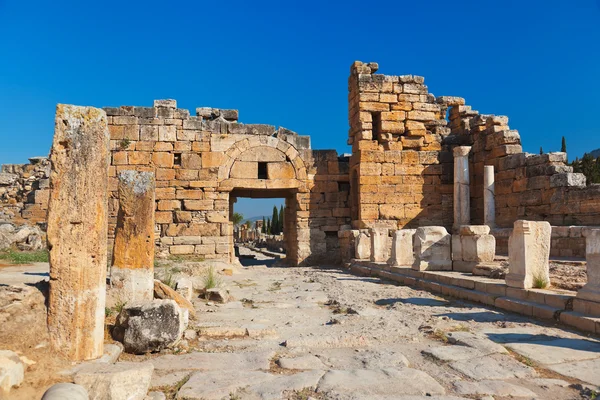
(274, 225)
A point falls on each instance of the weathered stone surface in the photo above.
(493, 367)
(494, 388)
(380, 251)
(149, 327)
(472, 230)
(462, 202)
(586, 371)
(132, 271)
(121, 381)
(402, 248)
(591, 290)
(453, 353)
(380, 382)
(476, 341)
(162, 291)
(217, 362)
(12, 371)
(529, 251)
(185, 287)
(363, 245)
(77, 231)
(304, 362)
(489, 196)
(62, 391)
(432, 249)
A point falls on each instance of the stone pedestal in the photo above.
(528, 254)
(347, 240)
(462, 202)
(77, 232)
(402, 248)
(471, 247)
(432, 249)
(489, 196)
(380, 244)
(588, 297)
(132, 272)
(363, 245)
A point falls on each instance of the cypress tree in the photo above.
(275, 222)
(281, 219)
(264, 226)
(563, 147)
(268, 226)
(541, 150)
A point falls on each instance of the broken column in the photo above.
(471, 247)
(380, 244)
(588, 297)
(462, 202)
(489, 197)
(132, 271)
(528, 254)
(363, 245)
(77, 232)
(432, 249)
(402, 248)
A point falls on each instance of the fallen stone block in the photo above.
(121, 381)
(150, 327)
(432, 249)
(12, 371)
(62, 391)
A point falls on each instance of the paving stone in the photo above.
(327, 341)
(379, 382)
(120, 381)
(476, 341)
(547, 383)
(162, 379)
(215, 361)
(493, 367)
(305, 362)
(587, 371)
(558, 350)
(494, 388)
(245, 384)
(453, 353)
(363, 358)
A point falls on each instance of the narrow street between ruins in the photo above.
(297, 333)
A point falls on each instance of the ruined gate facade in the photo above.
(400, 172)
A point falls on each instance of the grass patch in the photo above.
(540, 282)
(119, 306)
(24, 257)
(460, 328)
(521, 358)
(440, 335)
(211, 280)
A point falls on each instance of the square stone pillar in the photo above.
(380, 244)
(462, 201)
(363, 245)
(78, 231)
(528, 254)
(473, 246)
(402, 248)
(132, 271)
(489, 196)
(432, 249)
(588, 297)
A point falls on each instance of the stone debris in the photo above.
(12, 371)
(120, 381)
(150, 327)
(22, 237)
(164, 292)
(219, 295)
(64, 391)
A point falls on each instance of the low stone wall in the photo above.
(24, 192)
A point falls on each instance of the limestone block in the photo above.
(263, 154)
(280, 170)
(77, 232)
(402, 248)
(478, 248)
(132, 271)
(151, 326)
(380, 250)
(528, 253)
(363, 245)
(120, 381)
(11, 371)
(432, 249)
(591, 290)
(471, 230)
(162, 291)
(244, 170)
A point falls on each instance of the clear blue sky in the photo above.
(287, 62)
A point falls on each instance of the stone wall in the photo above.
(401, 168)
(24, 192)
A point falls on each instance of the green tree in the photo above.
(563, 146)
(541, 150)
(237, 218)
(275, 222)
(248, 224)
(281, 220)
(268, 226)
(264, 226)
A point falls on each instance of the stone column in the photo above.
(77, 232)
(462, 201)
(489, 196)
(528, 254)
(402, 248)
(132, 271)
(591, 290)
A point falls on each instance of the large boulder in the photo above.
(120, 381)
(149, 327)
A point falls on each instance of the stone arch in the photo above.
(274, 150)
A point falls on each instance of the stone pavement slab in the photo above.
(494, 388)
(557, 351)
(493, 367)
(453, 353)
(215, 361)
(587, 371)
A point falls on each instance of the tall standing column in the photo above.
(132, 271)
(489, 196)
(77, 231)
(462, 202)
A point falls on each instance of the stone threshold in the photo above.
(552, 305)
